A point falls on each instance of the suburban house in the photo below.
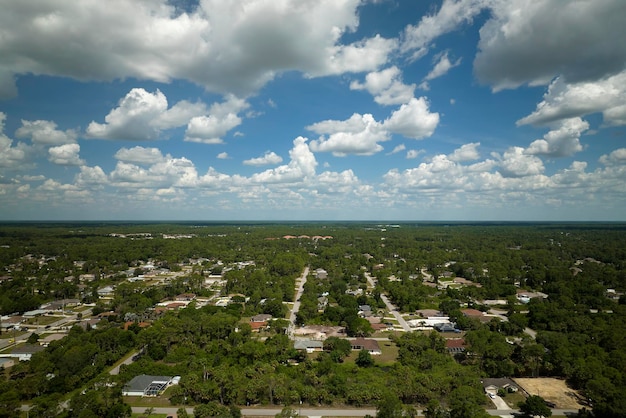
(145, 385)
(445, 327)
(261, 318)
(368, 344)
(45, 341)
(455, 345)
(106, 291)
(475, 313)
(320, 273)
(24, 353)
(308, 345)
(493, 385)
(186, 297)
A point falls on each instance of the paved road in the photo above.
(116, 370)
(405, 326)
(296, 303)
(318, 412)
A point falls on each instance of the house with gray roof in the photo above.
(146, 385)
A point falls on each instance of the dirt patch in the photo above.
(552, 390)
(320, 332)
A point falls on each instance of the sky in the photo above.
(484, 110)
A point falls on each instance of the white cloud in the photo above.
(418, 39)
(467, 152)
(142, 116)
(301, 166)
(534, 41)
(342, 183)
(223, 156)
(139, 155)
(54, 186)
(561, 142)
(269, 158)
(222, 46)
(413, 154)
(397, 149)
(413, 120)
(442, 66)
(11, 157)
(386, 86)
(45, 132)
(134, 118)
(66, 154)
(211, 128)
(358, 135)
(516, 163)
(366, 55)
(179, 172)
(568, 100)
(361, 134)
(90, 177)
(180, 114)
(616, 157)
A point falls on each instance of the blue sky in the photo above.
(313, 110)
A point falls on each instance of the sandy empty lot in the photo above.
(552, 390)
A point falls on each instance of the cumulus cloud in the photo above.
(139, 155)
(516, 163)
(467, 152)
(65, 155)
(154, 40)
(361, 134)
(358, 135)
(45, 132)
(413, 120)
(222, 118)
(616, 157)
(268, 159)
(342, 183)
(565, 100)
(134, 118)
(563, 141)
(170, 171)
(141, 115)
(223, 156)
(90, 176)
(11, 156)
(513, 50)
(386, 86)
(302, 165)
(365, 55)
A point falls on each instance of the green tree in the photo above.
(287, 412)
(535, 405)
(364, 359)
(211, 409)
(389, 406)
(182, 413)
(435, 410)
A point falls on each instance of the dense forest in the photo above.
(580, 325)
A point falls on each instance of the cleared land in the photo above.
(552, 390)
